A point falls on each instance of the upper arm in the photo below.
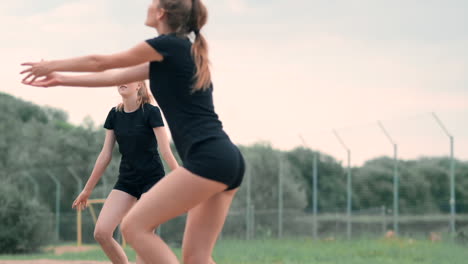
(131, 74)
(139, 54)
(109, 142)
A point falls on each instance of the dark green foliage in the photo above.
(331, 178)
(25, 223)
(36, 141)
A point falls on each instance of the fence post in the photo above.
(35, 184)
(79, 187)
(348, 186)
(396, 184)
(452, 175)
(384, 219)
(104, 186)
(314, 197)
(280, 195)
(252, 221)
(57, 203)
(248, 223)
(79, 231)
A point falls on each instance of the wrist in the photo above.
(87, 191)
(62, 79)
(50, 65)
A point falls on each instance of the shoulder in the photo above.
(112, 111)
(168, 41)
(151, 108)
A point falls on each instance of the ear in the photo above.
(160, 13)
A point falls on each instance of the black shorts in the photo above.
(135, 189)
(216, 159)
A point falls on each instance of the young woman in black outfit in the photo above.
(180, 80)
(138, 128)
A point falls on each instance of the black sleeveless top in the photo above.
(190, 115)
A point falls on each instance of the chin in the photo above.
(149, 23)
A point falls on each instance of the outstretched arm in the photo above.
(139, 54)
(102, 162)
(102, 79)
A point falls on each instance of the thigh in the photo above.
(117, 204)
(175, 194)
(205, 222)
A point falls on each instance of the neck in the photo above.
(130, 103)
(163, 29)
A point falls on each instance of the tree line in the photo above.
(37, 142)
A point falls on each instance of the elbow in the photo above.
(98, 63)
(166, 152)
(166, 155)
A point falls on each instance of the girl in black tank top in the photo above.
(179, 74)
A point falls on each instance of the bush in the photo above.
(25, 223)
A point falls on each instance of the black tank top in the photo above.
(190, 115)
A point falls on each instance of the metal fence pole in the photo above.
(314, 197)
(57, 203)
(314, 188)
(396, 209)
(280, 195)
(248, 217)
(452, 175)
(348, 187)
(77, 179)
(252, 221)
(35, 184)
(384, 220)
(104, 186)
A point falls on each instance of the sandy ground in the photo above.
(48, 261)
(58, 251)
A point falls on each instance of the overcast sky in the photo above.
(281, 68)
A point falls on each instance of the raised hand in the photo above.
(81, 202)
(36, 70)
(50, 80)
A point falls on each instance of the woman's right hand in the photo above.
(81, 202)
(50, 80)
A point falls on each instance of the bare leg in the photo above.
(117, 204)
(204, 223)
(175, 194)
(139, 260)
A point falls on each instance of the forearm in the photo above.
(107, 78)
(99, 168)
(169, 158)
(90, 63)
(103, 79)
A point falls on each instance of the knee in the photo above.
(129, 230)
(102, 235)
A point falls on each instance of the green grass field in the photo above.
(402, 251)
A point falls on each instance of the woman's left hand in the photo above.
(36, 70)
